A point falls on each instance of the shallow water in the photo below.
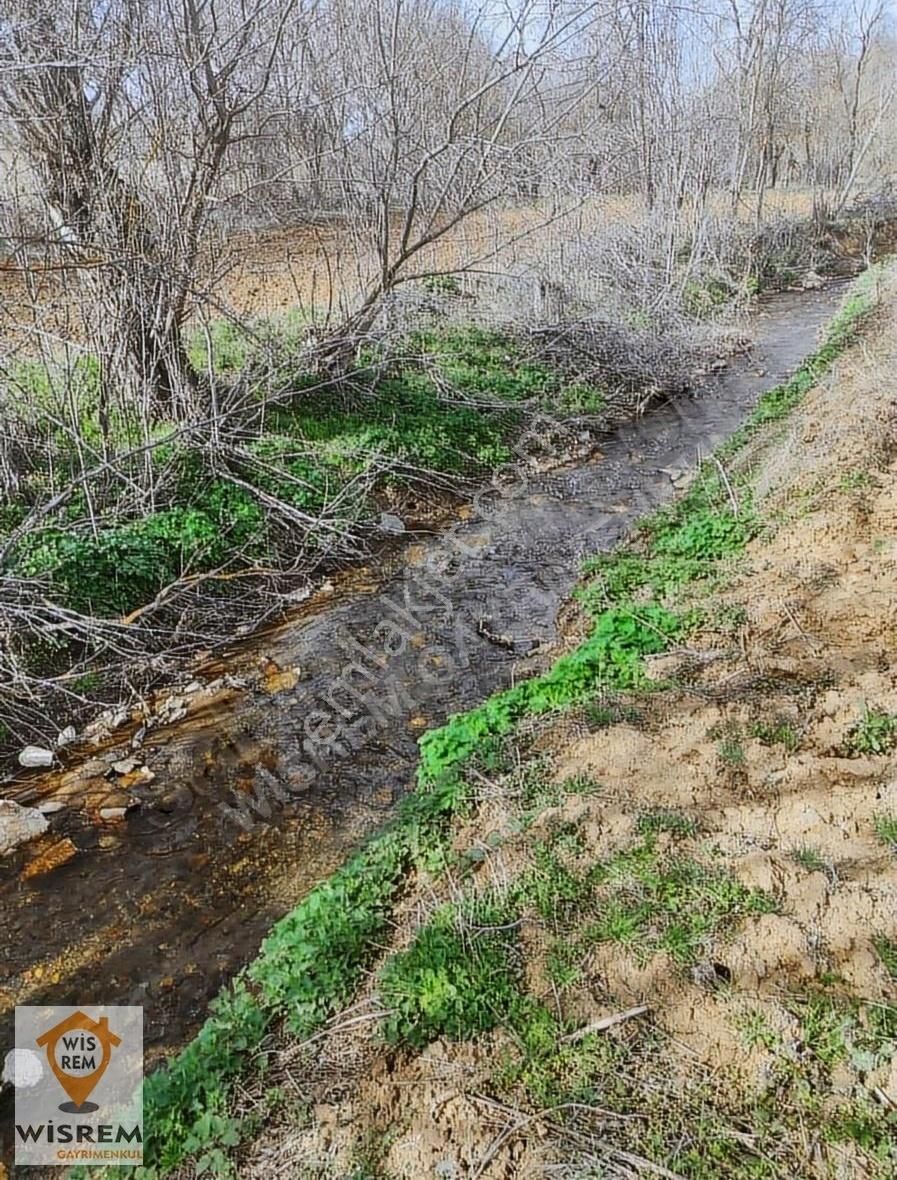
(162, 908)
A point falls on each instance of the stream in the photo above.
(264, 786)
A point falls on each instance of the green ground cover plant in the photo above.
(458, 978)
(875, 733)
(449, 404)
(886, 830)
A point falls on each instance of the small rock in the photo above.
(68, 735)
(108, 721)
(281, 679)
(193, 687)
(125, 766)
(34, 756)
(394, 526)
(113, 814)
(51, 856)
(50, 806)
(300, 595)
(679, 476)
(93, 801)
(18, 825)
(172, 709)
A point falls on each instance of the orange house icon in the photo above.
(86, 1035)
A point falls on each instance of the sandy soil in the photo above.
(815, 645)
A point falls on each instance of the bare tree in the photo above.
(441, 115)
(91, 94)
(853, 42)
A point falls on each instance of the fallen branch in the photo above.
(607, 1022)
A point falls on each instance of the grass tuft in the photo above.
(874, 734)
(886, 830)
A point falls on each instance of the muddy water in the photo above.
(162, 907)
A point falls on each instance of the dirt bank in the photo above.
(723, 992)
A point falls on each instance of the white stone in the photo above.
(34, 756)
(113, 813)
(18, 824)
(68, 735)
(393, 525)
(50, 807)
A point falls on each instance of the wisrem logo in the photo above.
(92, 1058)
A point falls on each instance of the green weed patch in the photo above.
(672, 904)
(610, 658)
(458, 978)
(451, 404)
(874, 734)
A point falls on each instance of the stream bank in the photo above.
(163, 904)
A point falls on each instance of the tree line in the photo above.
(137, 132)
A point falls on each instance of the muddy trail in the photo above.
(157, 880)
